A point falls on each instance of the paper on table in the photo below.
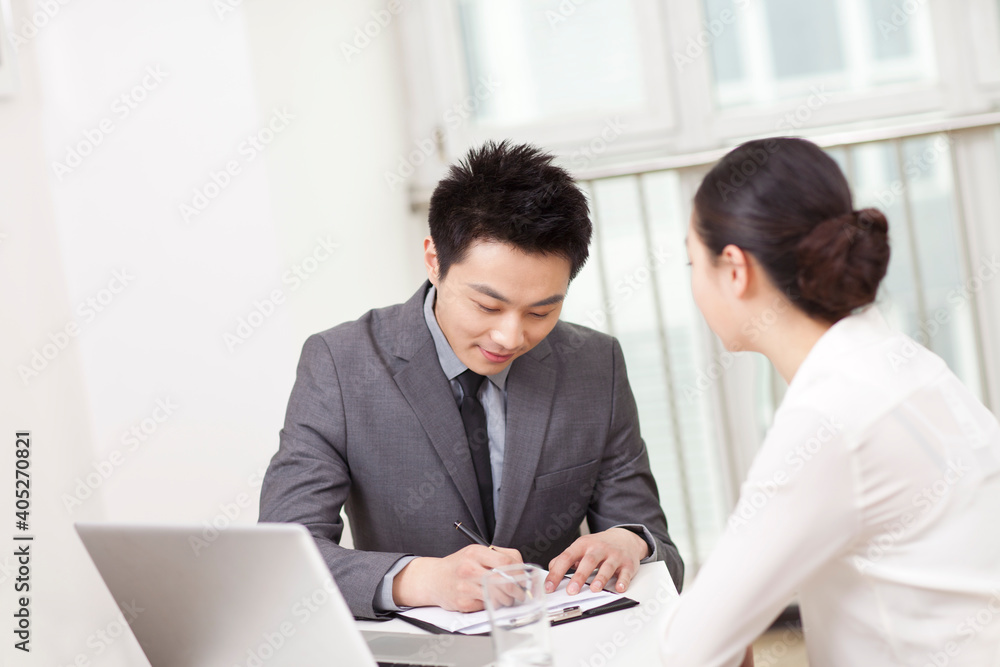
(479, 621)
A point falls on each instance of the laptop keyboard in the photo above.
(403, 664)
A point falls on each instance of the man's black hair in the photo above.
(511, 193)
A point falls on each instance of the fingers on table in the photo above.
(559, 565)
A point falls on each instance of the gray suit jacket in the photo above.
(372, 426)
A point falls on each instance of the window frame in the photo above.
(432, 50)
(675, 123)
(983, 18)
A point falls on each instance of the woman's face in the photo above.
(707, 287)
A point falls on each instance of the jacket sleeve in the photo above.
(626, 492)
(309, 478)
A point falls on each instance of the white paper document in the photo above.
(479, 621)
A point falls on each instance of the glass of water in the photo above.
(519, 619)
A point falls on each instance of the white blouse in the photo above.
(876, 498)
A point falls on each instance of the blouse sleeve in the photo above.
(797, 510)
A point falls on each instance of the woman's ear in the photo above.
(431, 261)
(738, 271)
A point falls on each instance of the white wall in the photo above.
(159, 337)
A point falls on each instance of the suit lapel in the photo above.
(426, 389)
(530, 392)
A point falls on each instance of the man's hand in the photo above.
(616, 551)
(453, 582)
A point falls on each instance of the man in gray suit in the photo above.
(471, 402)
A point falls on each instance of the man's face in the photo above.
(498, 302)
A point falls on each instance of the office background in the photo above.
(191, 188)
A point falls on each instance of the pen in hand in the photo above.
(472, 535)
(478, 539)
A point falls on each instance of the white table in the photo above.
(629, 637)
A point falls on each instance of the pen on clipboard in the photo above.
(554, 615)
(565, 613)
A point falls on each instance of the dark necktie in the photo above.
(474, 418)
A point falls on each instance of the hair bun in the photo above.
(841, 262)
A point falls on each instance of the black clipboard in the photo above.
(618, 604)
(615, 605)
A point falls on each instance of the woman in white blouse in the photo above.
(875, 497)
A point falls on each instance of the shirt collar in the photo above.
(450, 363)
(837, 344)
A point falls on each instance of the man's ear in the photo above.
(738, 270)
(431, 261)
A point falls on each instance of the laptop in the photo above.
(248, 596)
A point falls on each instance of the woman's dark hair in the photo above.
(512, 194)
(787, 203)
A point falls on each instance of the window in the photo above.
(768, 50)
(608, 81)
(552, 66)
(556, 72)
(985, 41)
(925, 292)
(640, 276)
